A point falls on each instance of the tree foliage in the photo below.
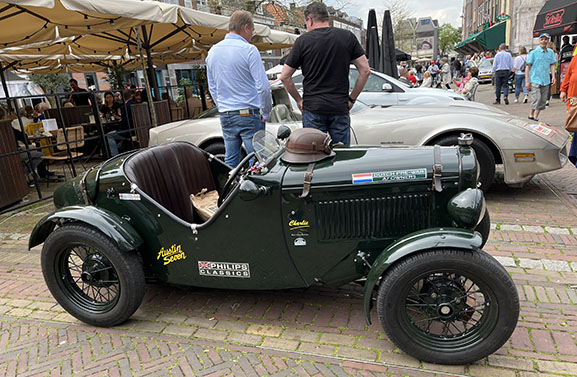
(50, 82)
(116, 75)
(448, 37)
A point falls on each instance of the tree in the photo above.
(403, 30)
(50, 83)
(116, 75)
(448, 37)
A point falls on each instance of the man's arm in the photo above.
(211, 85)
(527, 83)
(262, 86)
(364, 70)
(286, 77)
(553, 78)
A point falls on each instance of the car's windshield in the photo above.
(486, 64)
(266, 147)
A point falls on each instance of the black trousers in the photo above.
(502, 81)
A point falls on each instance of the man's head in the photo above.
(404, 72)
(565, 39)
(474, 71)
(73, 84)
(544, 40)
(502, 47)
(241, 23)
(316, 15)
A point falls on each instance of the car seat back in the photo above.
(281, 113)
(169, 173)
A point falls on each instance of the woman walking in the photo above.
(519, 70)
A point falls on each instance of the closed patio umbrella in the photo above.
(373, 49)
(388, 52)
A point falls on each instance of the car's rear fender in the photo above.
(111, 225)
(436, 238)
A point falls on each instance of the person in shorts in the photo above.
(540, 75)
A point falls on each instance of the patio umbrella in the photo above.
(388, 52)
(373, 50)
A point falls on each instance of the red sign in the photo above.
(554, 18)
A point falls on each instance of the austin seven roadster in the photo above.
(407, 223)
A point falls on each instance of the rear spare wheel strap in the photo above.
(437, 169)
(308, 180)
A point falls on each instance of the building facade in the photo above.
(479, 14)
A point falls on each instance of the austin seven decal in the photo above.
(173, 254)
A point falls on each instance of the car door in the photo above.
(377, 91)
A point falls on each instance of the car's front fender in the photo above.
(111, 225)
(436, 238)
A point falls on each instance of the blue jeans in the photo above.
(113, 138)
(338, 126)
(520, 83)
(502, 80)
(237, 130)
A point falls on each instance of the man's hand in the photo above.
(563, 96)
(528, 85)
(553, 80)
(300, 104)
(351, 104)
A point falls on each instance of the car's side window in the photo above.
(374, 83)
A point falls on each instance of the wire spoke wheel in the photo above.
(90, 277)
(448, 306)
(447, 309)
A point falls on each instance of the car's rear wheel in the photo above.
(216, 149)
(484, 155)
(448, 306)
(90, 277)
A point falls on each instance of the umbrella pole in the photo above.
(5, 86)
(151, 73)
(148, 91)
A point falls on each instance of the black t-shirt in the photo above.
(325, 55)
(81, 98)
(566, 53)
(110, 110)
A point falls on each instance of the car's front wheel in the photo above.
(448, 306)
(90, 277)
(484, 155)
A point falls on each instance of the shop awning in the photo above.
(557, 17)
(488, 39)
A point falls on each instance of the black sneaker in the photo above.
(506, 101)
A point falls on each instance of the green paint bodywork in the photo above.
(114, 227)
(413, 243)
(287, 241)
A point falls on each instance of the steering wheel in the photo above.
(225, 192)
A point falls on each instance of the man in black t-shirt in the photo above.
(82, 98)
(324, 54)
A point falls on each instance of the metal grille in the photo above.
(382, 217)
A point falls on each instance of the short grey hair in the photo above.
(317, 11)
(502, 46)
(238, 19)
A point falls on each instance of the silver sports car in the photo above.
(523, 147)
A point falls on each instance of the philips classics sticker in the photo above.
(224, 269)
(173, 254)
(390, 176)
(127, 196)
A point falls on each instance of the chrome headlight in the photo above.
(467, 208)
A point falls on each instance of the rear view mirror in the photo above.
(283, 132)
(387, 87)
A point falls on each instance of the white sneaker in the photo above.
(516, 100)
(525, 99)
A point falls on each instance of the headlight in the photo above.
(467, 208)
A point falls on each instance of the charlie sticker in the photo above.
(173, 254)
(296, 224)
(224, 269)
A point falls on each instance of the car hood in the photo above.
(433, 92)
(452, 107)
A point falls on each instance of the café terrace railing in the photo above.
(14, 185)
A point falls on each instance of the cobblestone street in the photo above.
(303, 332)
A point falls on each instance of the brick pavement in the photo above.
(305, 332)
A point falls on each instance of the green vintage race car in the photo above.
(408, 223)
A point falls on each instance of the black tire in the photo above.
(90, 277)
(217, 149)
(432, 285)
(484, 227)
(485, 159)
